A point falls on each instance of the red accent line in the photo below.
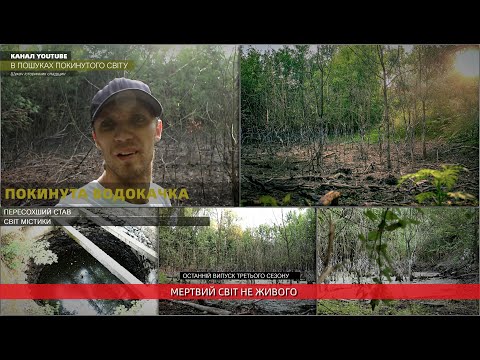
(241, 291)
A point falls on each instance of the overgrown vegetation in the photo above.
(16, 250)
(443, 182)
(380, 111)
(398, 245)
(286, 244)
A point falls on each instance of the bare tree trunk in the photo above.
(424, 129)
(327, 266)
(317, 243)
(321, 93)
(475, 248)
(385, 103)
(219, 234)
(285, 237)
(422, 93)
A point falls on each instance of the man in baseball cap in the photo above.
(126, 124)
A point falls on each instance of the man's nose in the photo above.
(122, 133)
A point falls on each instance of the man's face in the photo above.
(126, 131)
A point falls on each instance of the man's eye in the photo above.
(139, 119)
(106, 125)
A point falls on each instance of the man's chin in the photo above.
(131, 176)
(133, 180)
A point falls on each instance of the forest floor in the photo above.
(176, 165)
(242, 307)
(358, 171)
(398, 307)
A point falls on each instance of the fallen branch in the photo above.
(470, 274)
(209, 309)
(330, 198)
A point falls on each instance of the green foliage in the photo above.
(376, 245)
(450, 237)
(48, 309)
(442, 180)
(162, 278)
(132, 310)
(286, 89)
(357, 307)
(454, 111)
(338, 89)
(267, 200)
(40, 253)
(13, 253)
(339, 307)
(285, 243)
(440, 239)
(16, 250)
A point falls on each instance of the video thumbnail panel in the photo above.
(142, 125)
(240, 246)
(419, 246)
(359, 125)
(80, 247)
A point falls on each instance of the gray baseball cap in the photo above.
(141, 90)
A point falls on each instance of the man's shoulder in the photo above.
(161, 199)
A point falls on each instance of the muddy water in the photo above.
(76, 266)
(80, 268)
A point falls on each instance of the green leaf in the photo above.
(267, 200)
(420, 210)
(425, 196)
(374, 303)
(369, 247)
(372, 235)
(387, 271)
(391, 215)
(376, 280)
(371, 215)
(287, 199)
(361, 237)
(394, 226)
(413, 221)
(381, 247)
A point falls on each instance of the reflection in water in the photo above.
(79, 267)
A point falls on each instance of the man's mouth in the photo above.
(126, 154)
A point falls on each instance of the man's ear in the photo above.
(158, 130)
(95, 139)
